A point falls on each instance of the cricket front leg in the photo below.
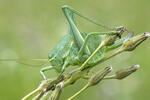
(45, 69)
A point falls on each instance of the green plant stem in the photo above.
(56, 93)
(30, 94)
(110, 56)
(46, 95)
(40, 95)
(77, 74)
(83, 66)
(83, 89)
(109, 77)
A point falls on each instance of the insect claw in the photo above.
(121, 28)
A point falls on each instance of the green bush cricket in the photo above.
(81, 48)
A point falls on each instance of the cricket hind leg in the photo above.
(73, 11)
(69, 13)
(45, 69)
(73, 30)
(87, 18)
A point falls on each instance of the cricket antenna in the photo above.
(23, 61)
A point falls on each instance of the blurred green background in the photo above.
(31, 28)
